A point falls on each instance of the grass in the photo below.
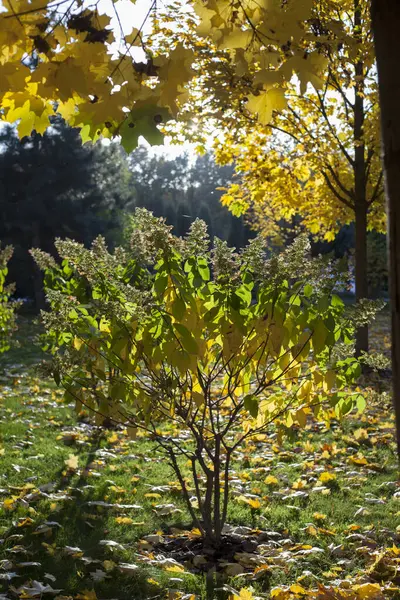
(51, 528)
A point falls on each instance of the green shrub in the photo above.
(219, 343)
(7, 308)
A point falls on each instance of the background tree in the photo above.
(181, 190)
(159, 182)
(51, 185)
(319, 157)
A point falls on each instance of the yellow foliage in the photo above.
(271, 480)
(252, 502)
(72, 462)
(294, 151)
(123, 520)
(326, 477)
(368, 591)
(106, 92)
(319, 516)
(86, 595)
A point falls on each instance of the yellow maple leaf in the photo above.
(319, 516)
(113, 439)
(358, 460)
(25, 522)
(236, 38)
(109, 565)
(280, 594)
(9, 503)
(325, 477)
(311, 530)
(308, 70)
(271, 480)
(368, 591)
(395, 550)
(361, 434)
(72, 462)
(252, 502)
(297, 589)
(265, 103)
(175, 569)
(124, 520)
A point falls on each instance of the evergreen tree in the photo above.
(52, 186)
(182, 191)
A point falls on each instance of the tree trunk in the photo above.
(360, 185)
(386, 27)
(361, 270)
(217, 491)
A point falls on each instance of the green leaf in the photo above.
(323, 304)
(181, 360)
(187, 339)
(251, 404)
(178, 308)
(336, 301)
(160, 284)
(97, 293)
(245, 294)
(143, 121)
(360, 402)
(118, 391)
(295, 300)
(204, 269)
(308, 290)
(319, 336)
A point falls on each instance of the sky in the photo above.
(130, 15)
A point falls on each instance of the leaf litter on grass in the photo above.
(92, 514)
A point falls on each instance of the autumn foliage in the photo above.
(62, 59)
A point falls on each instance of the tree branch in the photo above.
(334, 191)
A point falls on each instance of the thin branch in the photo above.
(128, 48)
(368, 162)
(15, 15)
(347, 103)
(335, 176)
(333, 132)
(182, 483)
(378, 189)
(292, 135)
(334, 191)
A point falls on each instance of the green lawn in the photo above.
(76, 503)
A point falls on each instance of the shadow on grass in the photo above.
(70, 552)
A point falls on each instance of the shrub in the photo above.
(7, 308)
(219, 343)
